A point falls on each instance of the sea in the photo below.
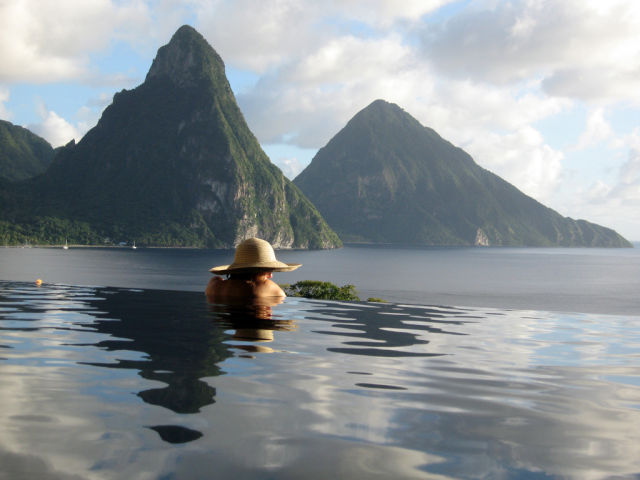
(492, 363)
(588, 280)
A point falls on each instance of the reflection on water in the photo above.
(114, 383)
(179, 345)
(382, 331)
(252, 325)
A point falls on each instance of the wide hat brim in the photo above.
(274, 266)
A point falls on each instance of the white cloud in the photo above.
(598, 191)
(347, 58)
(276, 32)
(43, 42)
(291, 167)
(53, 128)
(626, 189)
(618, 200)
(582, 49)
(384, 13)
(5, 114)
(308, 101)
(596, 131)
(258, 35)
(523, 159)
(464, 110)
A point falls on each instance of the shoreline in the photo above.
(634, 244)
(149, 247)
(119, 247)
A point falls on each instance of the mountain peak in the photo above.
(386, 178)
(382, 116)
(173, 162)
(381, 104)
(187, 59)
(380, 108)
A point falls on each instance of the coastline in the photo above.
(382, 246)
(116, 247)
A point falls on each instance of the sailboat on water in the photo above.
(66, 245)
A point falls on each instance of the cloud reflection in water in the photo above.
(113, 381)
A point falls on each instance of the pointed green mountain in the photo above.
(173, 162)
(385, 178)
(23, 154)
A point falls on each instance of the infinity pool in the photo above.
(108, 383)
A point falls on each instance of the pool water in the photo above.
(148, 384)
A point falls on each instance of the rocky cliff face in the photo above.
(173, 162)
(384, 178)
(481, 239)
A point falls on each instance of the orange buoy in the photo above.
(38, 282)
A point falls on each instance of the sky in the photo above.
(543, 93)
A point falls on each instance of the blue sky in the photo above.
(543, 93)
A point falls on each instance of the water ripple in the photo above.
(116, 382)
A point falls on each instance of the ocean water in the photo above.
(122, 383)
(568, 280)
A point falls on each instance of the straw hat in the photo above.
(255, 254)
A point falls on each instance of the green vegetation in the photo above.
(48, 231)
(321, 290)
(385, 178)
(170, 163)
(57, 231)
(376, 300)
(22, 153)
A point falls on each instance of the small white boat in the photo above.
(66, 245)
(134, 245)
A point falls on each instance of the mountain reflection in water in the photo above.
(182, 341)
(117, 383)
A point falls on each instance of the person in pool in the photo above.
(249, 276)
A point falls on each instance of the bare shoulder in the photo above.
(213, 287)
(219, 289)
(272, 289)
